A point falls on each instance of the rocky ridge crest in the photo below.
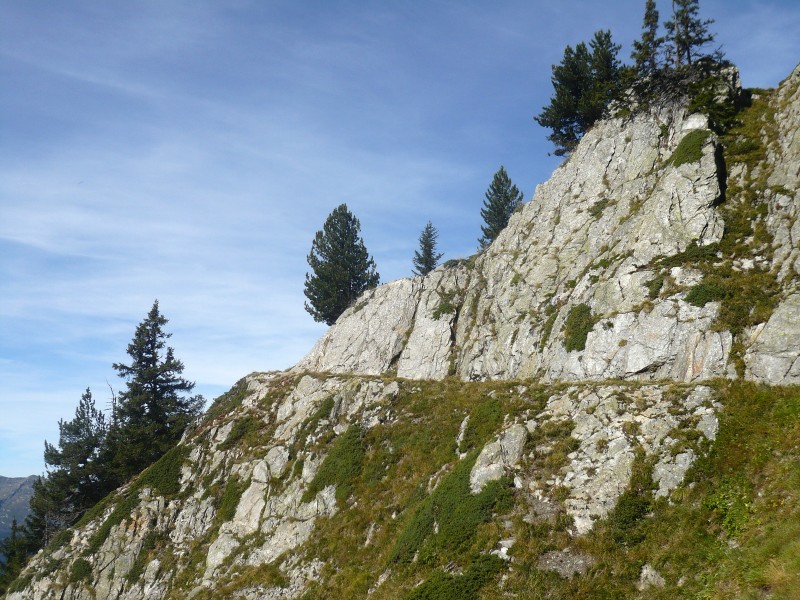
(538, 387)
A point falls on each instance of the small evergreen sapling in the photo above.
(426, 258)
(502, 199)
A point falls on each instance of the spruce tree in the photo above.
(686, 32)
(502, 199)
(584, 84)
(342, 269)
(426, 258)
(646, 51)
(153, 411)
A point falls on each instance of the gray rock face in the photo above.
(586, 237)
(498, 458)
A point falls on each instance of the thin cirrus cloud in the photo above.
(188, 151)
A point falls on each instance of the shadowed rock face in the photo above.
(263, 482)
(15, 496)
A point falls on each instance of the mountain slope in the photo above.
(15, 496)
(579, 411)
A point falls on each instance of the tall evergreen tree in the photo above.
(426, 258)
(584, 84)
(342, 269)
(502, 199)
(153, 411)
(686, 32)
(647, 50)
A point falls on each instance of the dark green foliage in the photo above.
(152, 413)
(690, 148)
(14, 553)
(705, 292)
(245, 428)
(502, 199)
(693, 255)
(484, 420)
(584, 84)
(80, 570)
(445, 586)
(633, 505)
(654, 287)
(342, 269)
(164, 476)
(341, 467)
(456, 511)
(446, 305)
(228, 401)
(686, 32)
(122, 510)
(577, 326)
(234, 489)
(77, 475)
(598, 207)
(646, 52)
(426, 258)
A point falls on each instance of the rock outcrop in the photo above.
(399, 455)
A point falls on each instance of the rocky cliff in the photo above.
(575, 412)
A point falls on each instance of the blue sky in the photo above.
(188, 151)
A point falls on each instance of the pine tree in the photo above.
(646, 51)
(75, 466)
(342, 269)
(153, 411)
(426, 258)
(502, 199)
(686, 32)
(584, 84)
(14, 553)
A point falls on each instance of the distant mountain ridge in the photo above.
(15, 497)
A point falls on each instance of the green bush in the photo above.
(705, 292)
(80, 570)
(577, 327)
(654, 287)
(690, 148)
(164, 475)
(245, 428)
(633, 505)
(484, 420)
(341, 467)
(444, 586)
(230, 499)
(458, 514)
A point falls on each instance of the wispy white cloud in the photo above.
(188, 151)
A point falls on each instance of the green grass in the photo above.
(340, 467)
(446, 522)
(245, 430)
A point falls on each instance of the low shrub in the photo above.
(341, 467)
(577, 327)
(690, 148)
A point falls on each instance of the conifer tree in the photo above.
(13, 555)
(584, 84)
(342, 269)
(153, 411)
(646, 51)
(502, 199)
(75, 466)
(686, 32)
(426, 258)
